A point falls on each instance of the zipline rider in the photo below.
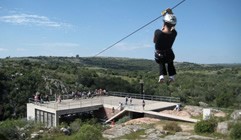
(164, 40)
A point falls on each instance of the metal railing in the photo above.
(82, 102)
(144, 96)
(68, 105)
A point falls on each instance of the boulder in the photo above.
(120, 130)
(222, 128)
(148, 131)
(23, 135)
(66, 131)
(236, 115)
(35, 136)
(182, 134)
(194, 110)
(41, 131)
(202, 104)
(154, 136)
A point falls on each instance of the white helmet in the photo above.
(170, 18)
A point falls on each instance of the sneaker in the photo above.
(161, 79)
(171, 79)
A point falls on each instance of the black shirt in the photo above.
(164, 41)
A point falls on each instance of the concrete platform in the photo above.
(49, 112)
(110, 101)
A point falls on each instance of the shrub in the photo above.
(2, 137)
(63, 124)
(88, 132)
(205, 126)
(8, 128)
(172, 126)
(123, 120)
(224, 100)
(75, 126)
(235, 132)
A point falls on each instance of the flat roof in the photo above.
(106, 101)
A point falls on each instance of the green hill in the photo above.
(20, 78)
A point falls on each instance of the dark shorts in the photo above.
(164, 56)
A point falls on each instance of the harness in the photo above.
(164, 56)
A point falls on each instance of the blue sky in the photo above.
(209, 31)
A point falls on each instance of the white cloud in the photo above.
(48, 49)
(21, 49)
(59, 45)
(27, 19)
(2, 49)
(131, 47)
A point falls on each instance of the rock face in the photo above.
(145, 120)
(194, 110)
(185, 136)
(236, 115)
(66, 131)
(202, 104)
(120, 130)
(150, 134)
(35, 136)
(223, 128)
(155, 132)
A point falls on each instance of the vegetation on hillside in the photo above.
(20, 78)
(20, 129)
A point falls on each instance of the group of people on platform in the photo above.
(38, 98)
(128, 98)
(121, 107)
(89, 94)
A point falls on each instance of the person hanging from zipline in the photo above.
(164, 40)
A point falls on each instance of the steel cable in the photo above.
(136, 30)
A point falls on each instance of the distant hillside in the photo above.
(113, 63)
(118, 63)
(101, 62)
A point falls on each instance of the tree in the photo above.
(205, 126)
(224, 100)
(235, 132)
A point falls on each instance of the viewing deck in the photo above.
(49, 112)
(112, 101)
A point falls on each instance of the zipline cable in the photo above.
(136, 30)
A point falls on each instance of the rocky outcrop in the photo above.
(236, 115)
(202, 104)
(120, 130)
(194, 110)
(66, 131)
(185, 136)
(223, 128)
(35, 136)
(150, 133)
